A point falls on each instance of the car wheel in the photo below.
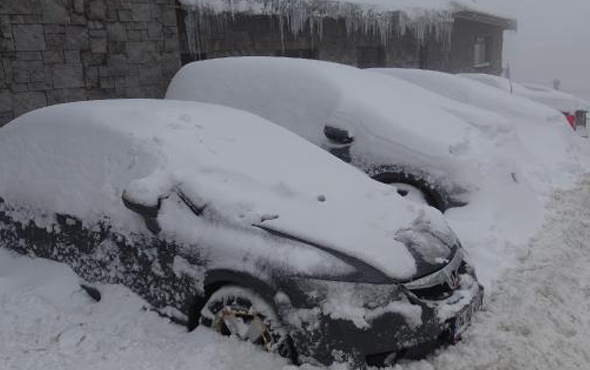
(410, 192)
(240, 312)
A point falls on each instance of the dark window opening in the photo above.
(481, 52)
(298, 53)
(371, 56)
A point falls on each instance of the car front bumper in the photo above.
(323, 336)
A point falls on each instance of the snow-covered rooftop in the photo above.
(379, 16)
(412, 8)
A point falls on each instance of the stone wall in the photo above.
(55, 51)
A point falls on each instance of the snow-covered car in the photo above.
(481, 95)
(193, 207)
(537, 125)
(570, 105)
(393, 133)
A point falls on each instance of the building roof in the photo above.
(488, 18)
(383, 16)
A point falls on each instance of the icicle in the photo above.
(191, 32)
(282, 28)
(311, 32)
(359, 17)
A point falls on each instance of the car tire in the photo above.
(240, 312)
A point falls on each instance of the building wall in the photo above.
(233, 35)
(220, 36)
(240, 35)
(55, 51)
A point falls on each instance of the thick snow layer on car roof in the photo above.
(77, 158)
(475, 93)
(538, 126)
(559, 100)
(390, 123)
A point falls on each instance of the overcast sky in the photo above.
(552, 41)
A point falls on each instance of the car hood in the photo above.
(404, 254)
(369, 225)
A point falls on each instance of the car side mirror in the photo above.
(145, 210)
(338, 135)
(339, 142)
(144, 203)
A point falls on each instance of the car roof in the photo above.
(559, 100)
(476, 93)
(185, 134)
(391, 121)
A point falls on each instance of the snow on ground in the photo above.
(48, 322)
(535, 318)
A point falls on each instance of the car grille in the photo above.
(440, 291)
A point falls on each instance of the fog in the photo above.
(552, 41)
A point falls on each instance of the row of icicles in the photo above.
(297, 16)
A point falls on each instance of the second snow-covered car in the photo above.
(216, 216)
(394, 135)
(478, 94)
(572, 107)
